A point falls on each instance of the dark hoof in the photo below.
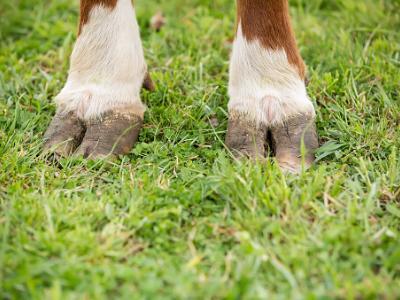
(64, 134)
(287, 141)
(245, 139)
(113, 134)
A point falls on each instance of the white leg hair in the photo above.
(107, 65)
(263, 85)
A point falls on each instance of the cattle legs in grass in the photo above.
(267, 87)
(99, 111)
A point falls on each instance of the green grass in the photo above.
(177, 218)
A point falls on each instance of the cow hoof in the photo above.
(245, 138)
(294, 143)
(110, 135)
(63, 135)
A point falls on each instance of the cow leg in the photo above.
(99, 111)
(267, 87)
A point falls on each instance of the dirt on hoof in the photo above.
(287, 140)
(245, 139)
(64, 134)
(110, 135)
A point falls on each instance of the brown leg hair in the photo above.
(87, 5)
(268, 21)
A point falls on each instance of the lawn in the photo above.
(178, 218)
